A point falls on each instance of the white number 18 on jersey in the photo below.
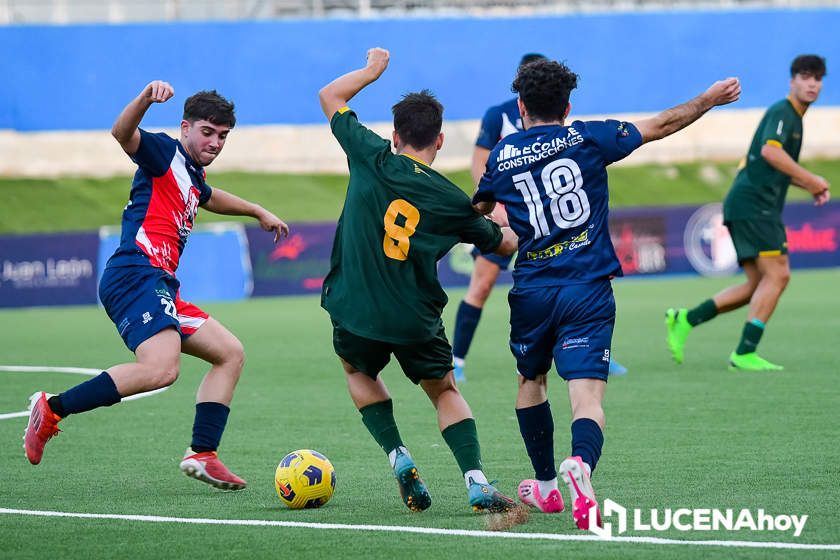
(563, 184)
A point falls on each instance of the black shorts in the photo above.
(431, 359)
(757, 238)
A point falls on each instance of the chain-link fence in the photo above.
(118, 11)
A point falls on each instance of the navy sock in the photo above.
(587, 441)
(93, 393)
(466, 322)
(537, 428)
(210, 421)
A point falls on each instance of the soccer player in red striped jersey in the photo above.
(140, 291)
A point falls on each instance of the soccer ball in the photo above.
(304, 479)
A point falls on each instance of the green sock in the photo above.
(706, 311)
(379, 420)
(462, 439)
(750, 337)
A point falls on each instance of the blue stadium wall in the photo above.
(79, 77)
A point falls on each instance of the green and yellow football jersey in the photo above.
(400, 217)
(759, 189)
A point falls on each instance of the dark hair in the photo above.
(530, 57)
(544, 87)
(418, 118)
(209, 106)
(808, 64)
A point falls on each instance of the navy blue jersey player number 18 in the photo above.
(552, 179)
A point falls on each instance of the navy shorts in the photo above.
(572, 324)
(498, 260)
(144, 300)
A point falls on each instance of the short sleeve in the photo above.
(778, 127)
(484, 192)
(355, 139)
(154, 155)
(491, 129)
(483, 233)
(615, 139)
(205, 191)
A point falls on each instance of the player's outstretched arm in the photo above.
(223, 202)
(125, 127)
(799, 176)
(676, 118)
(338, 92)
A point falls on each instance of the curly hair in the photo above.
(209, 106)
(418, 118)
(544, 87)
(808, 64)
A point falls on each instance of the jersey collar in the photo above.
(418, 160)
(796, 107)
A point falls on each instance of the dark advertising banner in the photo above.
(690, 240)
(53, 269)
(694, 240)
(297, 265)
(62, 269)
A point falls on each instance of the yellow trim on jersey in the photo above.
(775, 253)
(343, 110)
(775, 143)
(417, 159)
(796, 106)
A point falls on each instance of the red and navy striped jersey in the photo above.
(167, 190)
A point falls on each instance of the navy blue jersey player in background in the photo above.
(498, 122)
(139, 289)
(552, 179)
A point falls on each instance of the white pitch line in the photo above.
(53, 369)
(418, 530)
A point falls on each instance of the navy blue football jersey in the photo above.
(499, 121)
(552, 180)
(167, 190)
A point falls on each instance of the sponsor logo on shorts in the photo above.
(147, 317)
(576, 342)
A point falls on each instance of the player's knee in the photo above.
(166, 375)
(782, 277)
(235, 355)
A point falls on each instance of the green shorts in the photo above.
(431, 359)
(757, 238)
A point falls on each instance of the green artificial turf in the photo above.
(694, 436)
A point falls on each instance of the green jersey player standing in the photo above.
(752, 212)
(382, 292)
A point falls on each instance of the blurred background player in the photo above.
(561, 304)
(140, 292)
(753, 213)
(382, 291)
(498, 122)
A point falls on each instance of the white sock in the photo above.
(476, 476)
(546, 486)
(392, 455)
